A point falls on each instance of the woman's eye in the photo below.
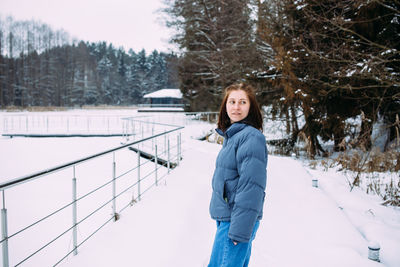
(243, 102)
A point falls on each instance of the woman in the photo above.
(239, 178)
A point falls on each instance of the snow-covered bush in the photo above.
(373, 171)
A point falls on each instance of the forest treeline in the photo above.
(43, 67)
(326, 60)
(318, 63)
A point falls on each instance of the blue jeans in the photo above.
(225, 253)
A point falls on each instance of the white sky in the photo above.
(132, 24)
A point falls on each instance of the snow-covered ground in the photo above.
(170, 226)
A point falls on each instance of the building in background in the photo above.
(163, 100)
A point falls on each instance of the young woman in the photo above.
(239, 179)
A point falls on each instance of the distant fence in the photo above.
(208, 116)
(70, 125)
(163, 105)
(64, 124)
(116, 178)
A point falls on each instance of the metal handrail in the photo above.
(35, 175)
(28, 124)
(14, 182)
(163, 105)
(155, 123)
(204, 113)
(201, 112)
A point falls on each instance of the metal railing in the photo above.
(158, 105)
(65, 124)
(122, 193)
(208, 116)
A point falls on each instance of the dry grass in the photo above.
(371, 161)
(215, 138)
(378, 172)
(375, 172)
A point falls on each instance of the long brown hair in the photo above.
(254, 118)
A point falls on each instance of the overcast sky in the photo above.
(132, 24)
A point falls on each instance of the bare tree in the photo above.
(338, 59)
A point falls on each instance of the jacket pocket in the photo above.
(230, 191)
(225, 194)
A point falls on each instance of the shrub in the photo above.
(379, 171)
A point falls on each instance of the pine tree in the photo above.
(216, 40)
(49, 72)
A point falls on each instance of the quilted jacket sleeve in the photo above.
(251, 160)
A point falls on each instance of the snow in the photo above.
(374, 222)
(20, 155)
(173, 93)
(301, 6)
(170, 226)
(350, 73)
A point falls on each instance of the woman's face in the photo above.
(237, 105)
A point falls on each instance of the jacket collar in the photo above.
(232, 130)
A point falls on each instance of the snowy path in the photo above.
(171, 226)
(302, 226)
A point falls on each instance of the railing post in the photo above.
(138, 174)
(165, 142)
(180, 145)
(152, 139)
(114, 189)
(142, 130)
(155, 164)
(169, 164)
(124, 129)
(74, 214)
(127, 124)
(5, 125)
(177, 149)
(4, 232)
(133, 130)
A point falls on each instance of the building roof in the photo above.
(171, 93)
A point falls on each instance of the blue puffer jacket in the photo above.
(239, 180)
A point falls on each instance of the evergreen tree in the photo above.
(157, 71)
(216, 40)
(49, 72)
(104, 69)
